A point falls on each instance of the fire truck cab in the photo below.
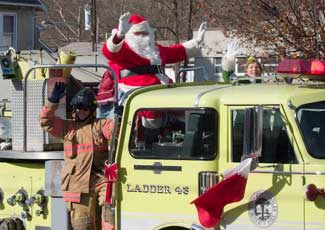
(204, 130)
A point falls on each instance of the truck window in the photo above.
(174, 134)
(276, 146)
(311, 118)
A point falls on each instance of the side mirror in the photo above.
(253, 132)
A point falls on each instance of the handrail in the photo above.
(60, 66)
(47, 49)
(181, 70)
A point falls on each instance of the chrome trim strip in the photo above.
(207, 180)
(157, 168)
(196, 227)
(20, 155)
(198, 97)
(288, 172)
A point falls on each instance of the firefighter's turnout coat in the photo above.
(85, 149)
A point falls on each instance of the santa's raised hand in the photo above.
(124, 25)
(201, 32)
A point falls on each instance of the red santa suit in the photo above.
(143, 67)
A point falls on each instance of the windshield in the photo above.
(174, 134)
(311, 118)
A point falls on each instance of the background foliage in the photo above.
(294, 28)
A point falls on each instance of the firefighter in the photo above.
(86, 141)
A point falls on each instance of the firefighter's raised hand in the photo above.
(124, 25)
(201, 32)
(58, 92)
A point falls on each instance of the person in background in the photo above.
(138, 60)
(105, 96)
(253, 68)
(86, 140)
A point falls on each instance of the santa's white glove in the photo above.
(124, 25)
(201, 32)
(229, 59)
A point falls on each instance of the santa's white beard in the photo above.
(144, 46)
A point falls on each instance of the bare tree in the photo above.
(171, 18)
(64, 21)
(289, 28)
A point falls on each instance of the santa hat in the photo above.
(138, 23)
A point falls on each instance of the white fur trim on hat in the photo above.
(192, 48)
(114, 48)
(142, 26)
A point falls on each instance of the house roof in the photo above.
(38, 4)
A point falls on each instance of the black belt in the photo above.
(139, 70)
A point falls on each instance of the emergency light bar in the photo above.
(308, 68)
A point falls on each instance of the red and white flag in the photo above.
(231, 189)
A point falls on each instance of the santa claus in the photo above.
(137, 59)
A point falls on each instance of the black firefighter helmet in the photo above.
(84, 99)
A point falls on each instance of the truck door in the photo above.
(160, 166)
(274, 187)
(311, 121)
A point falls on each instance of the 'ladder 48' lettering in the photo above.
(159, 189)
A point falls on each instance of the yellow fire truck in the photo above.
(203, 130)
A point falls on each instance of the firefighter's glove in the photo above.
(229, 58)
(201, 32)
(58, 92)
(124, 25)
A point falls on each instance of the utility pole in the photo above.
(93, 25)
